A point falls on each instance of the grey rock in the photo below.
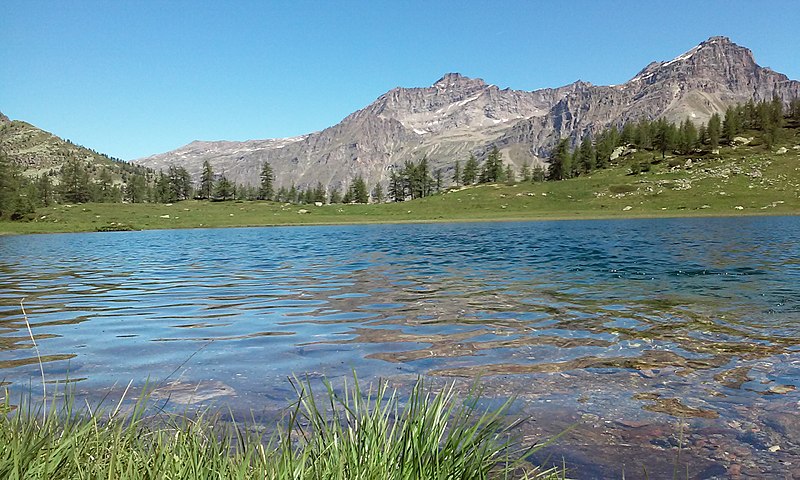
(458, 116)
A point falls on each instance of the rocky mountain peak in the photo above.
(459, 116)
(3, 118)
(457, 81)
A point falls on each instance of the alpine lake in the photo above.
(654, 347)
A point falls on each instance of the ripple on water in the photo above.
(623, 328)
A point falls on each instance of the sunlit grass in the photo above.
(355, 434)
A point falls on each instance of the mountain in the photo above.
(39, 152)
(458, 116)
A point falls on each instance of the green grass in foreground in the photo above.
(740, 180)
(357, 435)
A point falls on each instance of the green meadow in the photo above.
(741, 180)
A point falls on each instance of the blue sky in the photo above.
(136, 78)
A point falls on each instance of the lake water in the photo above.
(640, 334)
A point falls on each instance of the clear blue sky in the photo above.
(140, 77)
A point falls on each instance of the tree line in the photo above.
(81, 181)
(660, 136)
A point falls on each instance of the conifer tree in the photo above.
(265, 189)
(457, 174)
(525, 171)
(335, 196)
(470, 171)
(509, 175)
(559, 161)
(586, 155)
(206, 182)
(358, 191)
(714, 130)
(396, 187)
(224, 189)
(74, 183)
(377, 193)
(732, 124)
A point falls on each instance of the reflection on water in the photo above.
(623, 327)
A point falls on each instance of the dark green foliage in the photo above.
(687, 137)
(45, 191)
(396, 187)
(509, 175)
(335, 195)
(224, 189)
(794, 110)
(664, 136)
(15, 201)
(732, 124)
(136, 189)
(265, 189)
(377, 193)
(470, 171)
(492, 168)
(180, 184)
(560, 160)
(413, 181)
(74, 185)
(358, 192)
(586, 155)
(714, 130)
(525, 171)
(206, 182)
(538, 174)
(457, 174)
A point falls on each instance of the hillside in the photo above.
(37, 152)
(458, 116)
(739, 180)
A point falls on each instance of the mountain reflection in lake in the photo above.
(643, 334)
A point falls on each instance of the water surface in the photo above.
(643, 334)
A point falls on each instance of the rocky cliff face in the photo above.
(458, 116)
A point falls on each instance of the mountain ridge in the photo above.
(458, 116)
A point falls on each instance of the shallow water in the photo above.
(649, 337)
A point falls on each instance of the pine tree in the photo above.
(664, 138)
(457, 174)
(538, 174)
(509, 175)
(732, 125)
(319, 193)
(470, 171)
(438, 180)
(492, 168)
(714, 130)
(358, 191)
(74, 182)
(206, 181)
(335, 195)
(265, 190)
(45, 190)
(586, 155)
(377, 193)
(136, 188)
(396, 187)
(687, 138)
(223, 190)
(559, 161)
(525, 171)
(794, 109)
(9, 188)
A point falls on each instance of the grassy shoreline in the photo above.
(355, 433)
(738, 181)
